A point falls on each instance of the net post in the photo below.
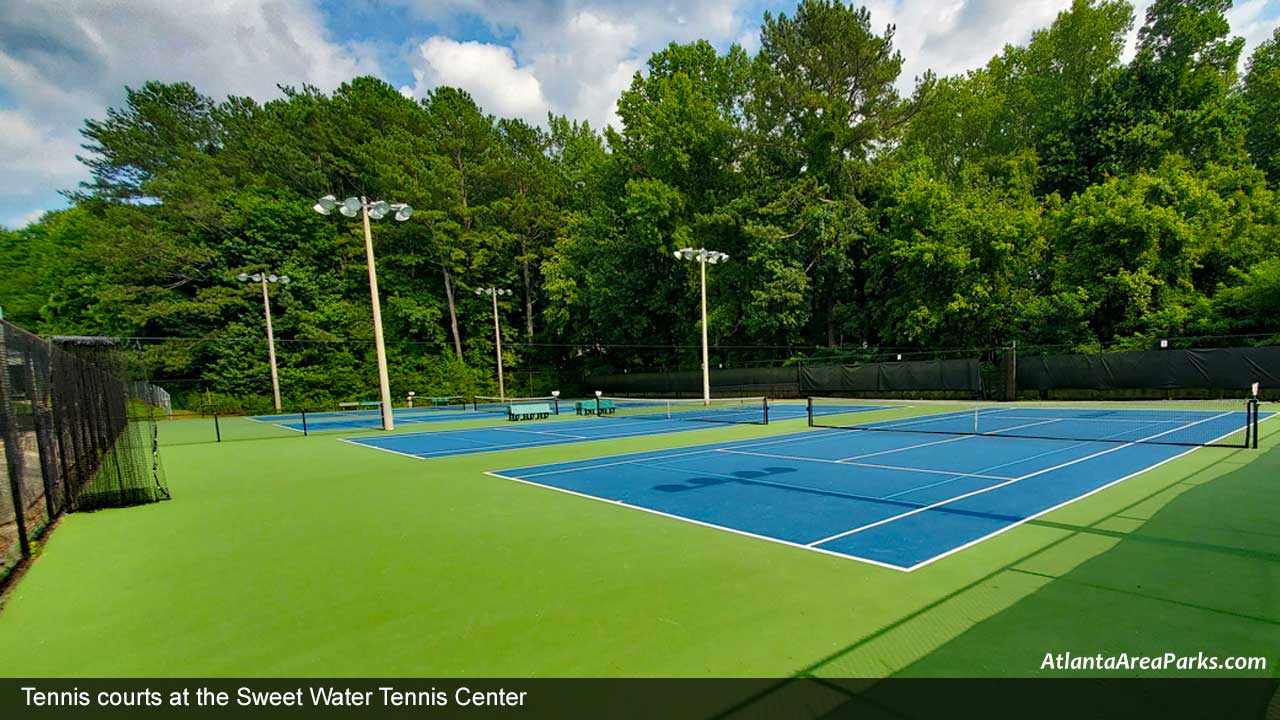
(217, 431)
(304, 422)
(809, 409)
(765, 401)
(1255, 424)
(555, 405)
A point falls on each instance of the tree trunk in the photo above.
(831, 325)
(453, 312)
(528, 289)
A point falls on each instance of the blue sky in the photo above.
(62, 61)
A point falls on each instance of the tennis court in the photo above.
(633, 418)
(917, 490)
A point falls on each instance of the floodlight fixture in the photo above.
(325, 205)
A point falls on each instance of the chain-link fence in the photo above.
(75, 434)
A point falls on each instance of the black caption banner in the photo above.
(896, 699)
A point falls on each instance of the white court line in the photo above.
(375, 447)
(703, 449)
(535, 432)
(438, 454)
(949, 473)
(997, 486)
(849, 556)
(842, 555)
(691, 521)
(909, 447)
(1064, 503)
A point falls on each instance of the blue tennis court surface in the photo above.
(896, 499)
(519, 435)
(369, 419)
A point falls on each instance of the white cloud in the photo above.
(34, 157)
(953, 36)
(65, 61)
(24, 219)
(488, 72)
(584, 53)
(1250, 21)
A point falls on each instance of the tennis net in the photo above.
(489, 403)
(1221, 423)
(750, 410)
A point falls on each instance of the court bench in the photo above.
(440, 401)
(361, 405)
(529, 411)
(592, 407)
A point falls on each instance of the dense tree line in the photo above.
(1056, 196)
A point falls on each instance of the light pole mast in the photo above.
(264, 278)
(703, 257)
(497, 333)
(384, 382)
(371, 210)
(706, 360)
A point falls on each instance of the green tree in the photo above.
(1262, 96)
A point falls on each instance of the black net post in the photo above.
(304, 422)
(1255, 423)
(809, 410)
(766, 410)
(217, 431)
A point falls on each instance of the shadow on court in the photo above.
(1198, 573)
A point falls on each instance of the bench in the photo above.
(529, 411)
(441, 401)
(593, 407)
(361, 405)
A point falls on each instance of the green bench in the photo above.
(361, 405)
(441, 401)
(593, 407)
(529, 411)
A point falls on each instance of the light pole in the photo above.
(264, 278)
(497, 332)
(376, 210)
(703, 257)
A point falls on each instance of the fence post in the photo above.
(40, 415)
(1010, 367)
